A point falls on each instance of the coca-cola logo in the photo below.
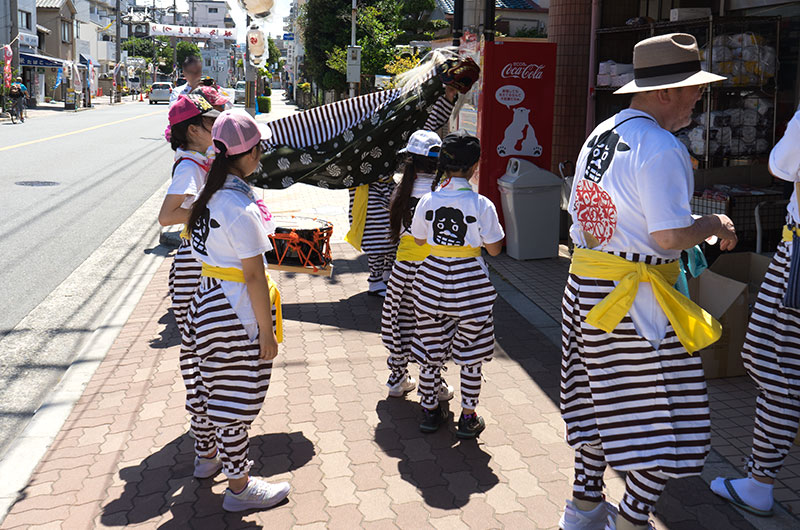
(522, 70)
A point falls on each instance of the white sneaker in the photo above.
(207, 467)
(575, 519)
(446, 392)
(403, 387)
(611, 523)
(258, 494)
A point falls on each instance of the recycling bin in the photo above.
(531, 200)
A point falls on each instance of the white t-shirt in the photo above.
(189, 175)
(231, 229)
(784, 160)
(184, 89)
(422, 186)
(630, 182)
(454, 215)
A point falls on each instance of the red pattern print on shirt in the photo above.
(597, 213)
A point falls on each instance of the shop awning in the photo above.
(43, 29)
(32, 59)
(85, 58)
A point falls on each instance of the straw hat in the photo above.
(667, 61)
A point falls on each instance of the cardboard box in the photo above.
(745, 267)
(689, 13)
(726, 300)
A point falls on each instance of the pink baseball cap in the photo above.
(189, 106)
(238, 131)
(212, 95)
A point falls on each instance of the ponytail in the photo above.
(399, 212)
(217, 175)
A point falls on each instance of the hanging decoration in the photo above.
(7, 57)
(257, 8)
(256, 45)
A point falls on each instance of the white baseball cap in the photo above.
(425, 143)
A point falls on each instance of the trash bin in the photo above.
(531, 199)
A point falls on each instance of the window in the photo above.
(24, 20)
(213, 10)
(208, 62)
(65, 33)
(77, 30)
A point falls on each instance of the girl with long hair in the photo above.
(233, 324)
(397, 318)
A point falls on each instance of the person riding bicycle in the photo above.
(18, 93)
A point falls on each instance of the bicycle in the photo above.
(17, 111)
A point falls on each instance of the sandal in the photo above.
(738, 502)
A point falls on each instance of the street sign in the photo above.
(288, 36)
(354, 64)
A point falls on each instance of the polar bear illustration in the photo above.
(520, 129)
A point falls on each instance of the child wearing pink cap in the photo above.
(234, 320)
(190, 122)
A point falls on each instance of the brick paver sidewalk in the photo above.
(355, 459)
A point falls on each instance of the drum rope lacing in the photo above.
(294, 241)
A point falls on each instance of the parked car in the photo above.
(239, 92)
(160, 92)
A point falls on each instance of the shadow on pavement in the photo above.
(163, 482)
(169, 336)
(686, 502)
(445, 470)
(360, 312)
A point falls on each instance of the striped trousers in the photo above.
(226, 381)
(376, 241)
(646, 408)
(184, 277)
(771, 355)
(397, 319)
(453, 307)
(642, 487)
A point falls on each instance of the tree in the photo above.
(415, 21)
(274, 52)
(137, 47)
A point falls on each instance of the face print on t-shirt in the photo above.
(603, 148)
(412, 207)
(201, 230)
(449, 225)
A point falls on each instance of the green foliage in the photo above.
(414, 21)
(529, 32)
(274, 52)
(267, 91)
(137, 47)
(264, 104)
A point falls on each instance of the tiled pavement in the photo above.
(355, 459)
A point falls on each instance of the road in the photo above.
(78, 195)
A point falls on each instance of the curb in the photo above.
(23, 455)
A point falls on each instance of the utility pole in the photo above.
(353, 42)
(250, 78)
(14, 14)
(118, 52)
(174, 41)
(458, 22)
(488, 22)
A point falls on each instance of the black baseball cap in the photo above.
(460, 149)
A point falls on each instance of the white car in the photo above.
(160, 92)
(239, 92)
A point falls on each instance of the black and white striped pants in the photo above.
(380, 267)
(771, 355)
(642, 487)
(184, 277)
(453, 307)
(226, 381)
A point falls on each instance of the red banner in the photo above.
(7, 57)
(515, 108)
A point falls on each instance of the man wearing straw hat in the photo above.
(633, 394)
(771, 351)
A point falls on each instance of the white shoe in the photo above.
(446, 392)
(207, 467)
(258, 494)
(575, 519)
(377, 289)
(403, 387)
(611, 523)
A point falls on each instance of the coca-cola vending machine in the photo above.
(515, 108)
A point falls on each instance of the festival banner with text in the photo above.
(190, 32)
(515, 108)
(8, 55)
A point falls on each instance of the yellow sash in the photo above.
(787, 232)
(408, 250)
(695, 328)
(185, 232)
(233, 274)
(359, 214)
(447, 251)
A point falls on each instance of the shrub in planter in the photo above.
(267, 91)
(264, 104)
